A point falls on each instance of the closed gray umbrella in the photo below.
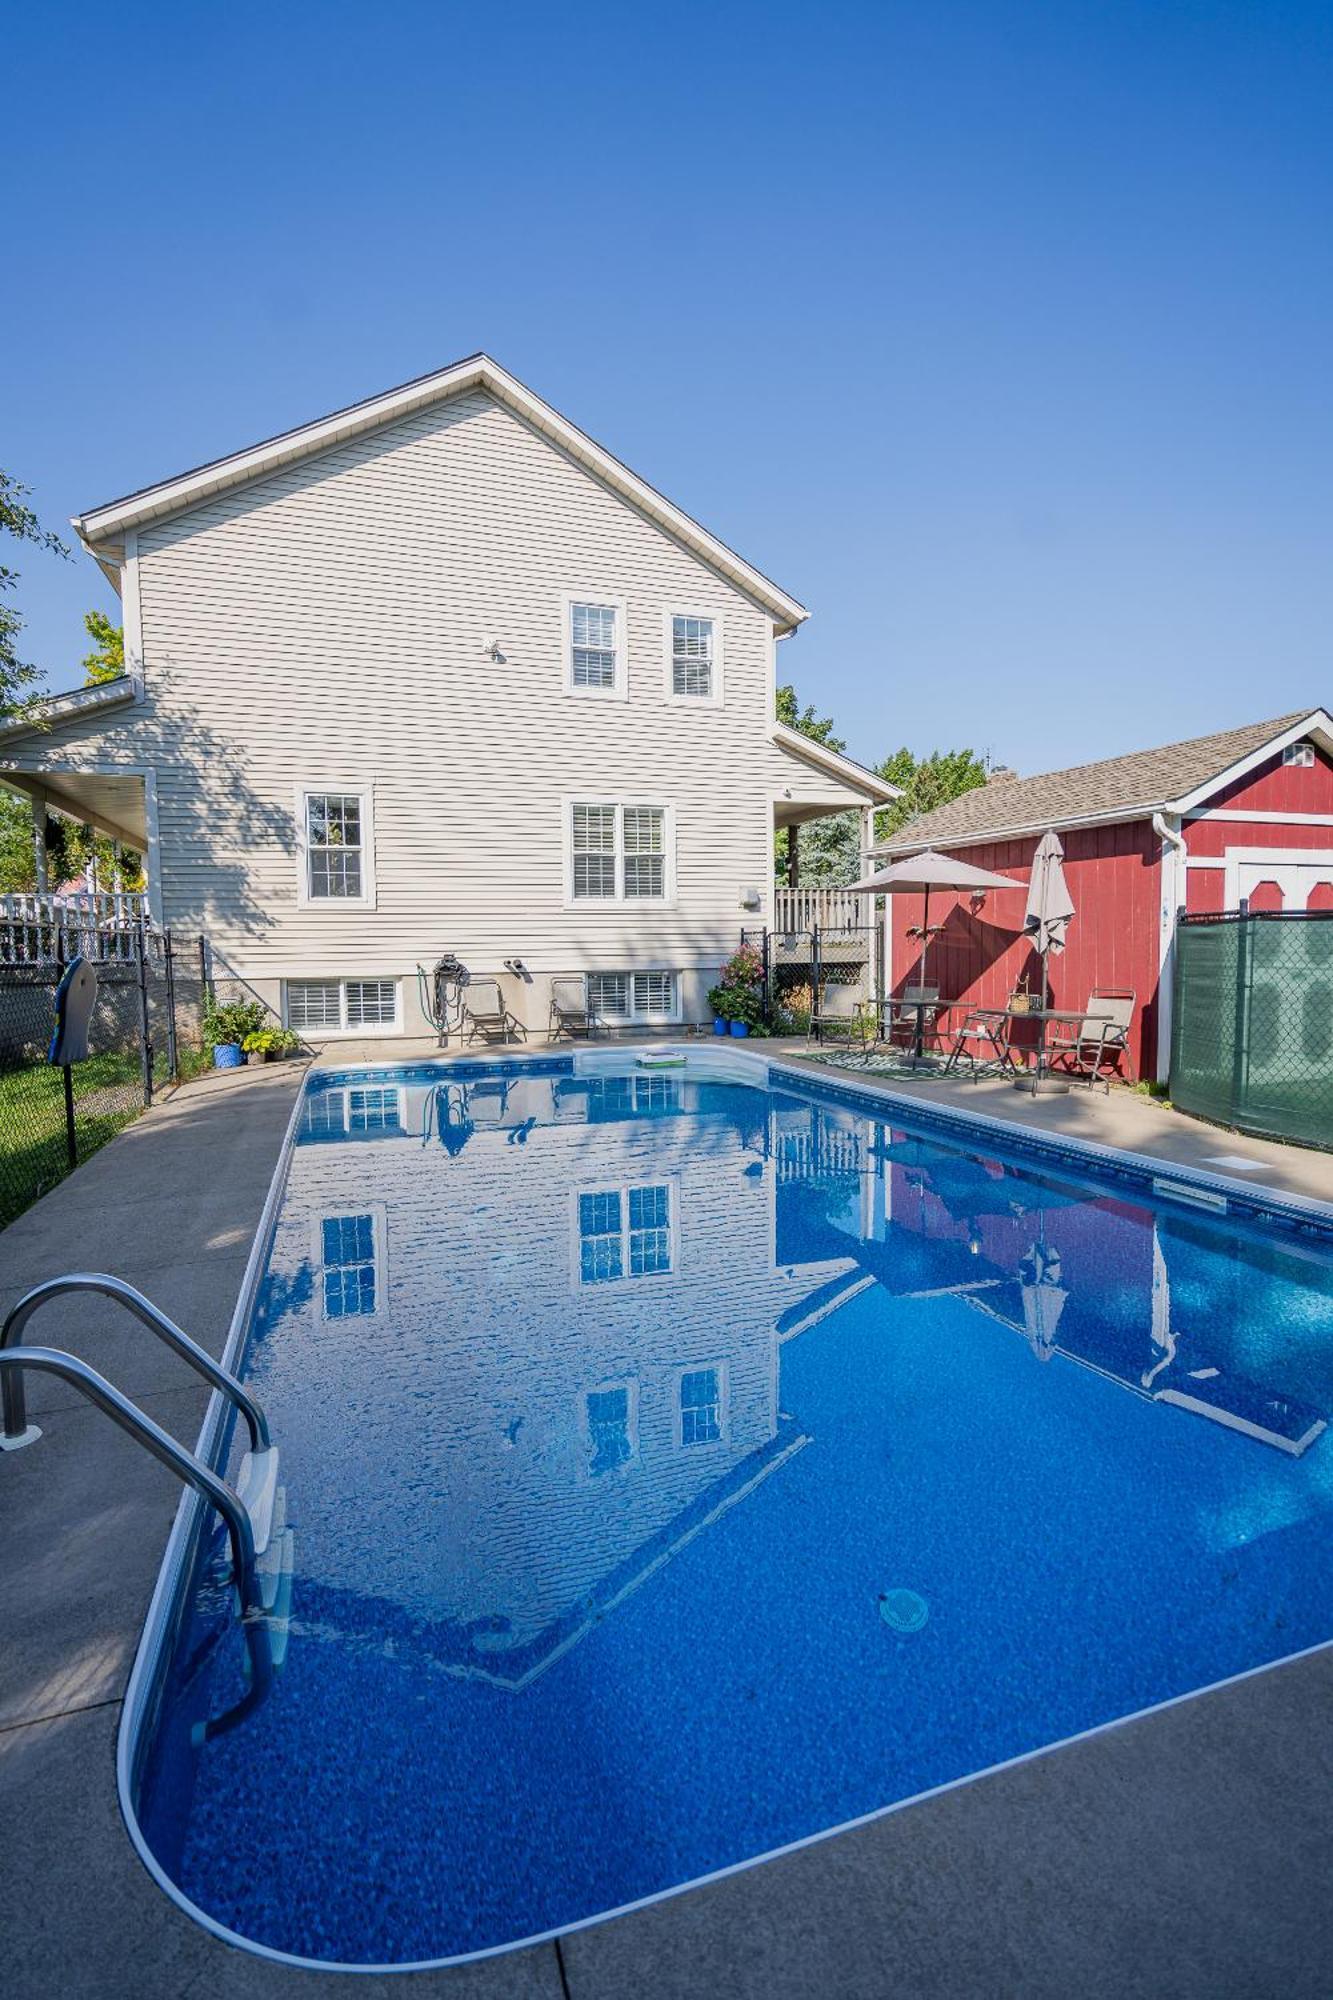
(1050, 907)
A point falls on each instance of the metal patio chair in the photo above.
(570, 1014)
(981, 1040)
(485, 1016)
(1101, 1037)
(837, 1011)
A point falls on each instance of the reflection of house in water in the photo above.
(561, 1309)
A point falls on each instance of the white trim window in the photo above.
(619, 852)
(646, 999)
(372, 1109)
(335, 843)
(701, 1415)
(1299, 754)
(349, 1255)
(611, 1426)
(342, 1006)
(594, 646)
(694, 658)
(624, 1232)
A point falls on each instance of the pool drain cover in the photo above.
(903, 1610)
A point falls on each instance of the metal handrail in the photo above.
(11, 1385)
(153, 1438)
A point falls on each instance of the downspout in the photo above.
(1173, 894)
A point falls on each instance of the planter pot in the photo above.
(720, 1026)
(740, 1028)
(256, 1055)
(227, 1055)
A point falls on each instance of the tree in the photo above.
(17, 519)
(106, 662)
(926, 783)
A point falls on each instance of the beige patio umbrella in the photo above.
(921, 873)
(1050, 908)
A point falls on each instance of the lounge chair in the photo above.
(1099, 1040)
(485, 1015)
(838, 1009)
(569, 1009)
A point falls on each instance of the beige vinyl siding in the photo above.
(329, 624)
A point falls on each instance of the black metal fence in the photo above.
(1252, 1023)
(147, 1028)
(797, 964)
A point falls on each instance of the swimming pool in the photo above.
(681, 1464)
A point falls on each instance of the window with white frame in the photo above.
(610, 1415)
(702, 1416)
(646, 998)
(375, 1107)
(1301, 754)
(625, 1232)
(595, 647)
(619, 852)
(335, 847)
(348, 1266)
(337, 1006)
(693, 658)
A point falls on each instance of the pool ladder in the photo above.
(253, 1510)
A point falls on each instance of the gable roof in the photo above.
(101, 527)
(1170, 779)
(859, 776)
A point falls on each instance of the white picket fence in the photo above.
(37, 927)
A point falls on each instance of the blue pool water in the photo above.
(679, 1469)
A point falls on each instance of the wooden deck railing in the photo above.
(37, 927)
(825, 909)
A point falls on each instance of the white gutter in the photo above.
(1171, 897)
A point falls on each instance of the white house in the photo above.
(438, 675)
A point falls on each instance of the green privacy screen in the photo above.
(1252, 1035)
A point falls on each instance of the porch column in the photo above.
(38, 803)
(793, 857)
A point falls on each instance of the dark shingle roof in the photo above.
(1146, 780)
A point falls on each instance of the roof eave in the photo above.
(854, 774)
(51, 710)
(191, 489)
(1318, 723)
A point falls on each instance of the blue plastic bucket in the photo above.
(740, 1028)
(227, 1055)
(719, 1026)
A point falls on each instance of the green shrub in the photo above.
(233, 1021)
(271, 1042)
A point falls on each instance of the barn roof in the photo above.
(1117, 788)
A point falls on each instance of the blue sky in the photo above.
(999, 334)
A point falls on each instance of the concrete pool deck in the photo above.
(1185, 1853)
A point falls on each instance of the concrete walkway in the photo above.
(1185, 1854)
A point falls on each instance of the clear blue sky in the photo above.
(1001, 334)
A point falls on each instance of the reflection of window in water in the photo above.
(700, 1406)
(609, 1416)
(373, 1108)
(611, 1096)
(326, 1114)
(656, 1093)
(349, 1266)
(624, 1232)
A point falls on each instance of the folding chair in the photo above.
(569, 1009)
(1101, 1037)
(837, 1007)
(981, 1040)
(485, 1015)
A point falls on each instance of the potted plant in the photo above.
(226, 1027)
(269, 1044)
(737, 1000)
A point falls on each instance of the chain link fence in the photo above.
(1252, 1023)
(799, 963)
(147, 1029)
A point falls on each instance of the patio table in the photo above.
(916, 1058)
(1040, 1077)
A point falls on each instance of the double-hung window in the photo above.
(350, 1254)
(703, 1412)
(611, 1416)
(646, 998)
(625, 1232)
(619, 852)
(335, 838)
(595, 646)
(694, 657)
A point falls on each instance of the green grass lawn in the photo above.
(108, 1093)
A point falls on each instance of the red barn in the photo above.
(1243, 815)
